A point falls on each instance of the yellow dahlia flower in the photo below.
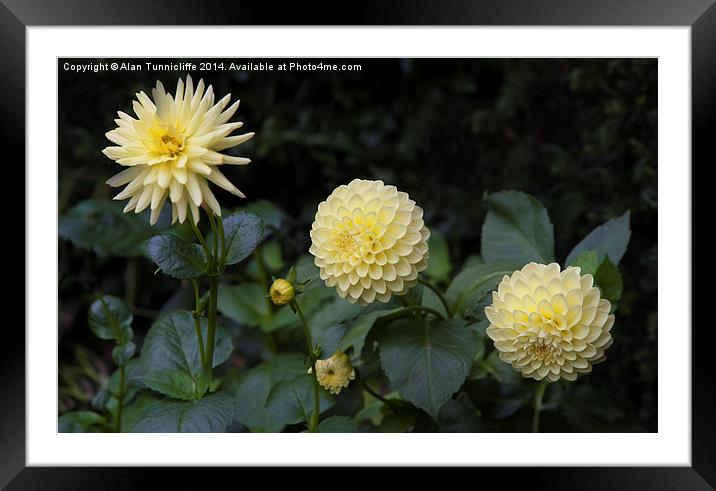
(369, 241)
(548, 323)
(172, 150)
(335, 373)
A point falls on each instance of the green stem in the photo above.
(120, 400)
(405, 311)
(211, 331)
(437, 292)
(212, 222)
(202, 241)
(373, 393)
(197, 323)
(313, 422)
(539, 394)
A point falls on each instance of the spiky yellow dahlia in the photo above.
(369, 241)
(549, 323)
(172, 150)
(335, 373)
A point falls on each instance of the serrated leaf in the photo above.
(587, 261)
(253, 391)
(609, 239)
(358, 331)
(109, 318)
(474, 282)
(102, 226)
(517, 229)
(243, 232)
(427, 361)
(291, 401)
(171, 348)
(177, 257)
(212, 414)
(173, 383)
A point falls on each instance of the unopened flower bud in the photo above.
(281, 292)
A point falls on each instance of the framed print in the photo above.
(426, 238)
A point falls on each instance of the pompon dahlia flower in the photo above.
(548, 323)
(369, 241)
(335, 373)
(172, 150)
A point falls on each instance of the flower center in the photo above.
(168, 141)
(542, 352)
(346, 242)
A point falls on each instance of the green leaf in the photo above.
(609, 239)
(272, 255)
(473, 283)
(110, 318)
(170, 354)
(81, 422)
(439, 266)
(177, 257)
(243, 232)
(357, 333)
(609, 280)
(253, 390)
(291, 401)
(427, 361)
(123, 353)
(102, 226)
(271, 215)
(337, 424)
(212, 414)
(587, 261)
(517, 229)
(173, 383)
(244, 303)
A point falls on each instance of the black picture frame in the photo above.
(700, 15)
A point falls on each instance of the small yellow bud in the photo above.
(335, 373)
(281, 292)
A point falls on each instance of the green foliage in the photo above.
(473, 283)
(243, 232)
(587, 261)
(177, 257)
(337, 424)
(439, 265)
(609, 280)
(291, 401)
(517, 229)
(354, 338)
(101, 226)
(81, 422)
(110, 318)
(427, 361)
(212, 414)
(275, 394)
(170, 356)
(609, 239)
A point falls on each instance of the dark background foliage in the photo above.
(579, 134)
